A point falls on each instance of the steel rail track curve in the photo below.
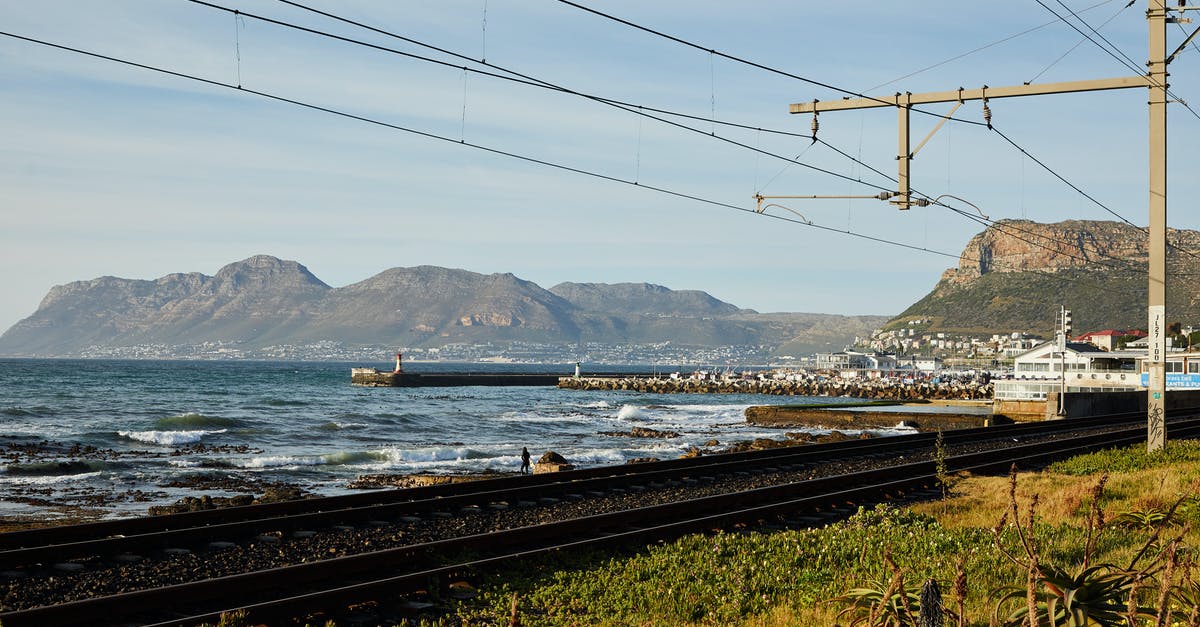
(143, 535)
(290, 591)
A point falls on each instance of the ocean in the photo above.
(117, 436)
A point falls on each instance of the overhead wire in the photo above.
(533, 81)
(754, 64)
(1078, 43)
(984, 47)
(488, 149)
(828, 86)
(809, 223)
(1126, 61)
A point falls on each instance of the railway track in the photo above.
(276, 593)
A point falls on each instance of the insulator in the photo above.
(815, 125)
(987, 115)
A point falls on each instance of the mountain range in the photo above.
(263, 301)
(1012, 277)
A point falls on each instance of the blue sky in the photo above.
(107, 169)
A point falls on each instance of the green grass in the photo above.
(1129, 459)
(790, 576)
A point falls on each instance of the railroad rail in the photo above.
(36, 545)
(273, 594)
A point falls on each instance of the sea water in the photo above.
(135, 431)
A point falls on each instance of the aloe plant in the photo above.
(880, 605)
(1096, 595)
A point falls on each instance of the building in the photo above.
(854, 360)
(1040, 370)
(921, 363)
(1090, 369)
(1183, 371)
(1108, 338)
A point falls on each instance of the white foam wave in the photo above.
(599, 456)
(280, 461)
(631, 412)
(398, 455)
(168, 438)
(46, 479)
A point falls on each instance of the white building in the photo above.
(1040, 370)
(853, 360)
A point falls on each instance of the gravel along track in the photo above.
(52, 584)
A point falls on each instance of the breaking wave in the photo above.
(168, 438)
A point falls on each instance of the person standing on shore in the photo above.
(524, 459)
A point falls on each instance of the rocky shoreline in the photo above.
(214, 490)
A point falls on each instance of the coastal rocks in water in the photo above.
(551, 462)
(691, 452)
(643, 460)
(267, 493)
(642, 432)
(201, 503)
(793, 439)
(374, 482)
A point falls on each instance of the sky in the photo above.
(353, 159)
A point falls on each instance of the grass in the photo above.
(789, 577)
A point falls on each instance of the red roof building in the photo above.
(1107, 339)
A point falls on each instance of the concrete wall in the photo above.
(1101, 403)
(1080, 404)
(1020, 411)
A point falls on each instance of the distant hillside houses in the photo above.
(910, 341)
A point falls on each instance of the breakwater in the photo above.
(370, 377)
(883, 389)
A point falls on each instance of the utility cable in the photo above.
(1085, 194)
(1112, 50)
(753, 64)
(525, 80)
(984, 47)
(533, 81)
(1078, 43)
(825, 85)
(488, 149)
(1129, 64)
(480, 147)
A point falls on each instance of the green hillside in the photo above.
(1100, 298)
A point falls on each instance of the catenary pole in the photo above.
(1156, 81)
(1156, 401)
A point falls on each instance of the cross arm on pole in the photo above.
(959, 95)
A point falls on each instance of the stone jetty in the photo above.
(797, 384)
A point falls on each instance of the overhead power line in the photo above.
(753, 64)
(529, 80)
(488, 149)
(523, 79)
(889, 103)
(985, 47)
(459, 142)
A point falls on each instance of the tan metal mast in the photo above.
(1156, 402)
(1156, 81)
